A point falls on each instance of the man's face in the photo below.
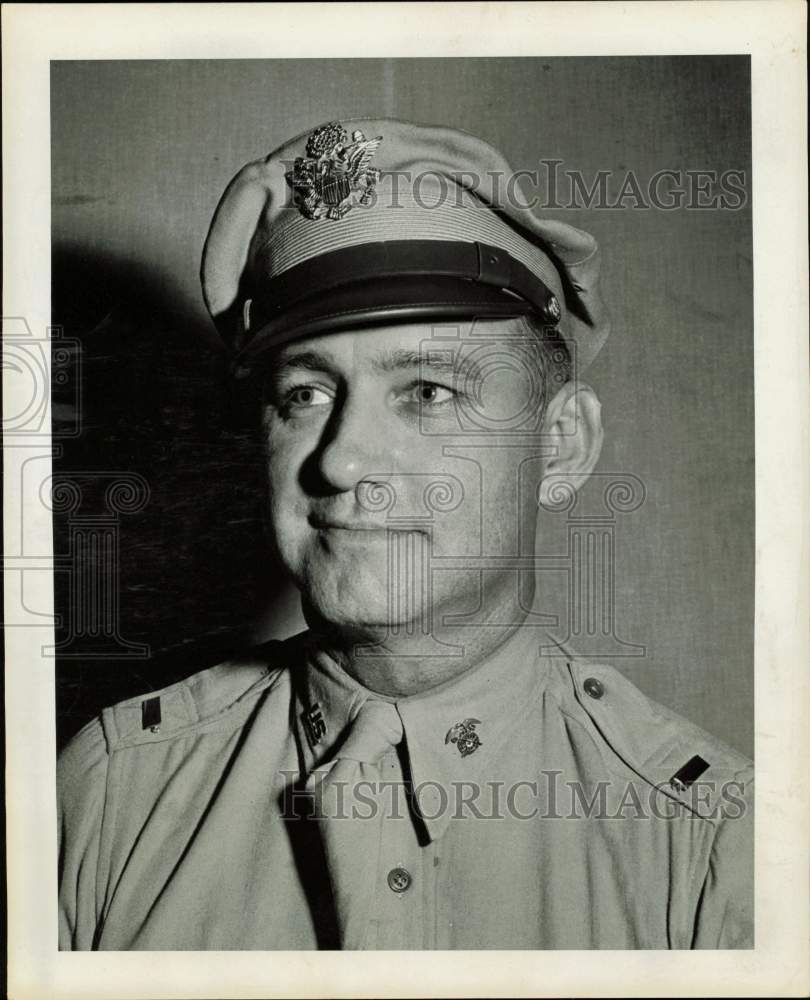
(394, 470)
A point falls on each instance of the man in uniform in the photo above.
(423, 767)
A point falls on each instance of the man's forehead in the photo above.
(400, 346)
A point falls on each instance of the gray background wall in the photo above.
(141, 152)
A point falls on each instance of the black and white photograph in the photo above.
(387, 478)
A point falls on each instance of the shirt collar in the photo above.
(453, 733)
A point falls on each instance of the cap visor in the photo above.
(381, 302)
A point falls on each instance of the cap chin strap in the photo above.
(389, 260)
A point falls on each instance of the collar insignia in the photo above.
(333, 176)
(465, 737)
(315, 725)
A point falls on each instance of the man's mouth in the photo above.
(338, 524)
(355, 525)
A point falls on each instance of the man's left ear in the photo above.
(573, 427)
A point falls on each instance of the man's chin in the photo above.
(347, 598)
(360, 621)
(362, 612)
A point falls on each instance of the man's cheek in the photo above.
(284, 460)
(285, 506)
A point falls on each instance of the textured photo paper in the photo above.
(526, 499)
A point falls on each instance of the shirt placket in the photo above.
(404, 911)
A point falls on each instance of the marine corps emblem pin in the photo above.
(333, 176)
(465, 737)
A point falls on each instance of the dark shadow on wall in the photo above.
(162, 558)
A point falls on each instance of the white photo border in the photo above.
(772, 32)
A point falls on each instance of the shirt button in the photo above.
(593, 687)
(398, 879)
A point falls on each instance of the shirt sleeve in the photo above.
(725, 915)
(81, 779)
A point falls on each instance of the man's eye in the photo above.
(431, 394)
(305, 396)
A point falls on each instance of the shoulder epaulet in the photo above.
(198, 699)
(680, 759)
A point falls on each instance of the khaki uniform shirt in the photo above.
(573, 818)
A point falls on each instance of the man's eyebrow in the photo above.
(313, 361)
(437, 361)
(441, 362)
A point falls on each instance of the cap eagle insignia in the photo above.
(334, 176)
(464, 736)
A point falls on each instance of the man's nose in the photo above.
(358, 446)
